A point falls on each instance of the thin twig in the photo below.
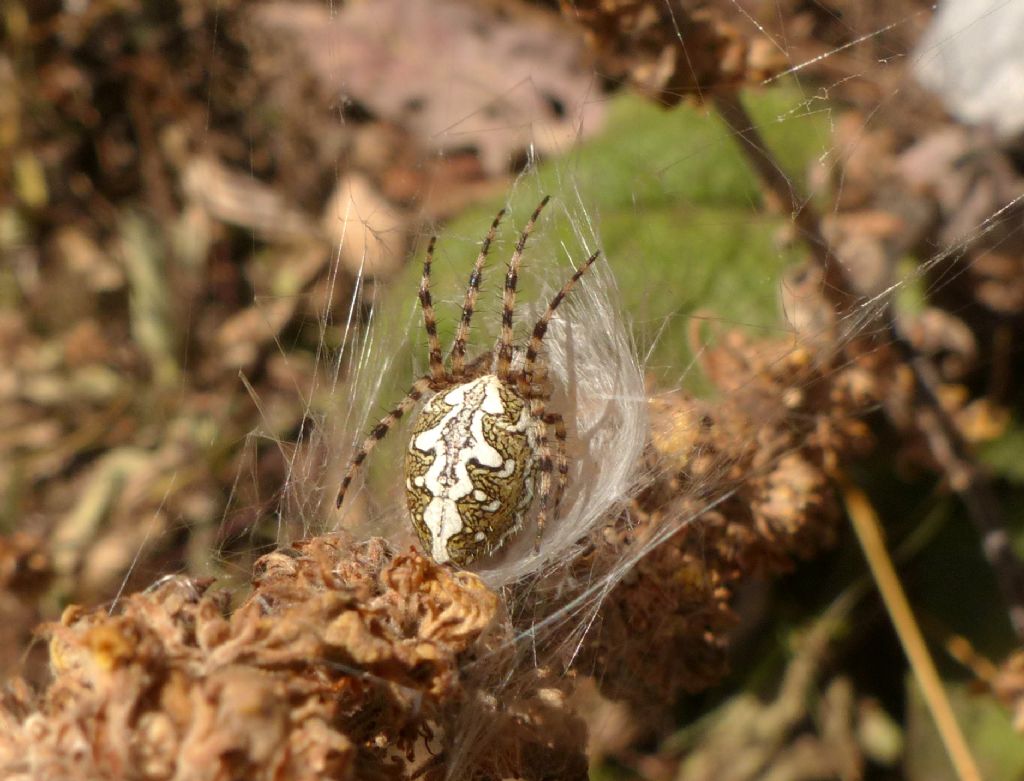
(805, 216)
(866, 524)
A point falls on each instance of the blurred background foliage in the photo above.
(189, 198)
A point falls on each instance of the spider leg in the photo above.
(429, 320)
(509, 300)
(479, 365)
(381, 429)
(545, 466)
(458, 353)
(555, 420)
(541, 327)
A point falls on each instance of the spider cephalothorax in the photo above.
(482, 442)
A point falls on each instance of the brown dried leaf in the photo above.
(338, 657)
(372, 234)
(241, 200)
(512, 81)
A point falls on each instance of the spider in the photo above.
(481, 443)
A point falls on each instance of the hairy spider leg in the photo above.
(509, 300)
(544, 465)
(421, 386)
(556, 421)
(458, 353)
(479, 365)
(437, 372)
(541, 327)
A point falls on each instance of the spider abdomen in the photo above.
(470, 469)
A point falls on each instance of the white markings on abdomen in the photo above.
(457, 439)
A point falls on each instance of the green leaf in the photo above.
(1003, 455)
(995, 745)
(678, 213)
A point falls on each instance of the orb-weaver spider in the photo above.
(483, 439)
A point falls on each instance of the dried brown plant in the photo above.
(346, 660)
(743, 488)
(343, 662)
